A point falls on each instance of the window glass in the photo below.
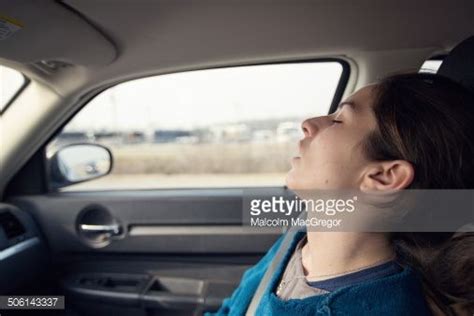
(11, 81)
(227, 127)
(431, 66)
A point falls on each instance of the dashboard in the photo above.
(23, 253)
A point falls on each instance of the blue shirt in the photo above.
(397, 294)
(372, 273)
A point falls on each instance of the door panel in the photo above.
(166, 221)
(178, 252)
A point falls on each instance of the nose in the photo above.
(309, 127)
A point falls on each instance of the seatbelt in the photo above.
(257, 297)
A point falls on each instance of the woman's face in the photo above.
(330, 154)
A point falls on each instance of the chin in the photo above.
(292, 182)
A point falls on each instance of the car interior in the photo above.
(129, 248)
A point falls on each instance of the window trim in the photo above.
(440, 57)
(341, 86)
(337, 97)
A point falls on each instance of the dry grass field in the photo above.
(195, 165)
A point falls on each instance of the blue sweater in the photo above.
(397, 294)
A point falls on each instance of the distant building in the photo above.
(70, 137)
(174, 136)
(134, 137)
(289, 131)
(231, 133)
(263, 136)
(109, 137)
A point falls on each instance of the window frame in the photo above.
(337, 97)
(43, 185)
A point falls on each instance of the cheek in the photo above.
(327, 162)
(330, 161)
(328, 149)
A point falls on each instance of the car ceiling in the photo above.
(134, 38)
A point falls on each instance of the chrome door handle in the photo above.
(113, 229)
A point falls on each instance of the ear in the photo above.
(387, 176)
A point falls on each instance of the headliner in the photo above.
(162, 36)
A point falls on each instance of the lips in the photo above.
(300, 151)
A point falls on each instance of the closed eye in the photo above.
(336, 121)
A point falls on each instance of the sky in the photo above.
(10, 81)
(208, 97)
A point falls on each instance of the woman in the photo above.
(410, 131)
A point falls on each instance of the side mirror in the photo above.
(78, 163)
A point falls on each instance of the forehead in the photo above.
(363, 97)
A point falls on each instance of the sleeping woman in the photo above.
(408, 131)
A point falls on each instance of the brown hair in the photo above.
(428, 120)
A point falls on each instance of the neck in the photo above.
(327, 254)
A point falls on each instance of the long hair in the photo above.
(428, 120)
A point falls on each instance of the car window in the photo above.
(11, 81)
(226, 127)
(431, 65)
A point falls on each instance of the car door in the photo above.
(162, 232)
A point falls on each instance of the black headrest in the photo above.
(459, 64)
